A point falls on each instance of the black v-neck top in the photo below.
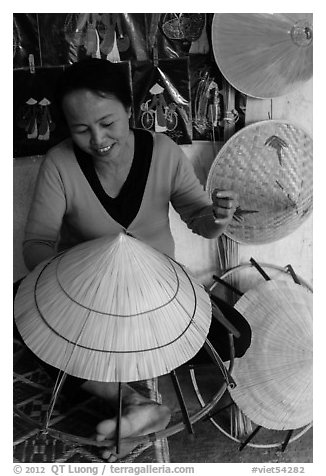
(125, 206)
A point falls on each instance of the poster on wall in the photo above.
(206, 99)
(162, 98)
(37, 124)
(183, 34)
(69, 37)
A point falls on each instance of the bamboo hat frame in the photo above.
(270, 165)
(274, 377)
(116, 311)
(239, 279)
(264, 55)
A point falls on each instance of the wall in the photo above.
(24, 176)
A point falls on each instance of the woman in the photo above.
(107, 178)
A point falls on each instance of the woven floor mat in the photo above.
(32, 389)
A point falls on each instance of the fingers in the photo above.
(226, 195)
(225, 203)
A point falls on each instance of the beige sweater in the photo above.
(65, 211)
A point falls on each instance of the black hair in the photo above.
(97, 75)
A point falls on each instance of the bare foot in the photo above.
(110, 452)
(137, 419)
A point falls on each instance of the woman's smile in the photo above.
(102, 150)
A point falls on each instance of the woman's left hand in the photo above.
(225, 203)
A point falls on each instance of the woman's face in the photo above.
(98, 125)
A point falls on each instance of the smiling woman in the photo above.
(96, 104)
(108, 179)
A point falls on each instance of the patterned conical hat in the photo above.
(270, 165)
(113, 311)
(264, 55)
(274, 377)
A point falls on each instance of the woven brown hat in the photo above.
(270, 165)
(274, 377)
(264, 55)
(113, 311)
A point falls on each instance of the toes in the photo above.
(109, 456)
(106, 428)
(113, 458)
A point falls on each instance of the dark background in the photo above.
(155, 48)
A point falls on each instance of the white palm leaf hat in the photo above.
(113, 310)
(274, 377)
(264, 55)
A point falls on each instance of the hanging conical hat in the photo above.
(270, 165)
(156, 89)
(263, 55)
(274, 377)
(113, 311)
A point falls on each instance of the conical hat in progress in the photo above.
(263, 55)
(270, 165)
(274, 377)
(113, 310)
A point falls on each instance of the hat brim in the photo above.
(113, 311)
